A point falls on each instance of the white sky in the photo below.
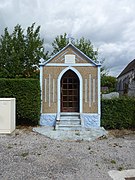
(109, 24)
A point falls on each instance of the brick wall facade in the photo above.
(90, 92)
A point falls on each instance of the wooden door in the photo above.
(70, 92)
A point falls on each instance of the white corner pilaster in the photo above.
(99, 84)
(41, 84)
(41, 64)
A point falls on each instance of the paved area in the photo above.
(28, 155)
(88, 135)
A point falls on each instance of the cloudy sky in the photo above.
(109, 24)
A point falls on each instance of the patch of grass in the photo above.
(91, 152)
(102, 137)
(38, 154)
(120, 168)
(113, 161)
(24, 154)
(9, 147)
(77, 133)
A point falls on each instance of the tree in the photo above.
(110, 82)
(83, 44)
(34, 50)
(59, 43)
(20, 52)
(86, 47)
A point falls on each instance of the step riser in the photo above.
(69, 117)
(69, 114)
(70, 120)
(69, 123)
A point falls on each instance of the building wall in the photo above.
(126, 84)
(90, 89)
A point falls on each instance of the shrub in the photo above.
(118, 113)
(27, 94)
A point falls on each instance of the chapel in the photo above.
(70, 90)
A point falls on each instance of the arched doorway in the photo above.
(70, 92)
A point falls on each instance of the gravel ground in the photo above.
(27, 155)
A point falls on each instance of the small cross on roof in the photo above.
(70, 38)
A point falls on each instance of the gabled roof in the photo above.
(128, 68)
(70, 44)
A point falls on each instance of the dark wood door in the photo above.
(70, 92)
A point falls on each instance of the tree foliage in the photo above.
(20, 52)
(59, 43)
(83, 44)
(87, 48)
(109, 81)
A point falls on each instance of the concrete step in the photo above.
(69, 117)
(69, 113)
(68, 127)
(70, 121)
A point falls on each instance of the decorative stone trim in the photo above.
(45, 90)
(71, 64)
(90, 90)
(86, 89)
(59, 90)
(53, 90)
(94, 90)
(49, 90)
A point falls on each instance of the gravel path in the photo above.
(27, 155)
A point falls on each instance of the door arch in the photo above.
(70, 92)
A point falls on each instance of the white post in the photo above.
(41, 79)
(99, 100)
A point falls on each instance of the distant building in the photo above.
(70, 90)
(126, 80)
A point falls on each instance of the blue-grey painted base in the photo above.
(87, 120)
(90, 120)
(48, 119)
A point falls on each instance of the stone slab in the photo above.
(84, 135)
(122, 175)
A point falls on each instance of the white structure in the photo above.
(7, 115)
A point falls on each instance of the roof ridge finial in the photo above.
(70, 38)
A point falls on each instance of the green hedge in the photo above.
(27, 94)
(118, 113)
